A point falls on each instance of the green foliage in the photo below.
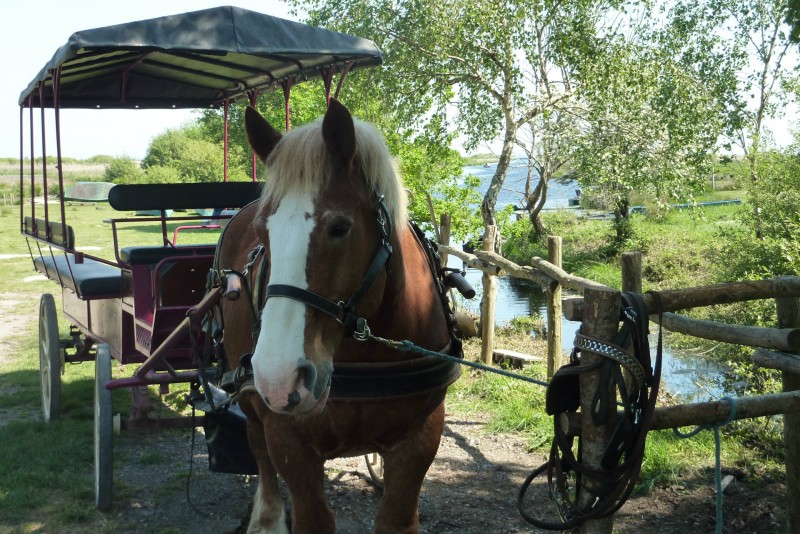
(430, 170)
(100, 159)
(766, 242)
(160, 174)
(488, 70)
(193, 157)
(123, 170)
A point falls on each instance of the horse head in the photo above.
(331, 199)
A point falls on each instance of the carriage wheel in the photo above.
(375, 468)
(103, 430)
(49, 358)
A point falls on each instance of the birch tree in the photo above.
(486, 69)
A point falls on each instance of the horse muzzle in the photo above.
(301, 389)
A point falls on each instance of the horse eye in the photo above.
(339, 228)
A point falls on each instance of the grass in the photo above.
(46, 470)
(52, 489)
(513, 406)
(679, 250)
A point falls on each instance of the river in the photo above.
(689, 377)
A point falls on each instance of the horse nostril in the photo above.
(294, 400)
(306, 374)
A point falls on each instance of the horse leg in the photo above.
(269, 514)
(405, 466)
(303, 470)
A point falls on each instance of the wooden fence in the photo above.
(598, 309)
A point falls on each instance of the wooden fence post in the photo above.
(554, 333)
(789, 317)
(444, 236)
(632, 271)
(600, 321)
(488, 300)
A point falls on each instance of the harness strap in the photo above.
(613, 482)
(344, 312)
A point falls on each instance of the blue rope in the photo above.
(717, 468)
(408, 346)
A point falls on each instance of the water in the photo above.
(558, 194)
(692, 378)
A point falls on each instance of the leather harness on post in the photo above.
(620, 464)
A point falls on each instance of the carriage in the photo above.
(160, 308)
(144, 306)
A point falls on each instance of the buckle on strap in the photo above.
(361, 332)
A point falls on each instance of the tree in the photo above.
(549, 142)
(494, 66)
(759, 34)
(655, 109)
(194, 158)
(776, 251)
(122, 170)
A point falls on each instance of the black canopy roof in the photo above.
(191, 60)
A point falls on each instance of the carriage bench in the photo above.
(180, 196)
(90, 279)
(146, 255)
(183, 196)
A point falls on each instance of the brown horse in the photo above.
(332, 199)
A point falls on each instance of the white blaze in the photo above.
(280, 343)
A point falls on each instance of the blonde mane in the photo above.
(300, 161)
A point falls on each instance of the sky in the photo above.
(31, 35)
(33, 32)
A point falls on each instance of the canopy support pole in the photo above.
(341, 79)
(59, 159)
(44, 161)
(225, 141)
(327, 79)
(253, 99)
(287, 91)
(33, 161)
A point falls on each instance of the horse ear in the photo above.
(339, 133)
(260, 134)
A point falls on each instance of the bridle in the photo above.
(345, 312)
(359, 380)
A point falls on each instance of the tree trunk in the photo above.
(490, 198)
(534, 205)
(622, 225)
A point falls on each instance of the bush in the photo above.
(101, 159)
(159, 174)
(122, 170)
(194, 158)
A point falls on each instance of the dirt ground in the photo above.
(470, 489)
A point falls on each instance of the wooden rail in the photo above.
(775, 348)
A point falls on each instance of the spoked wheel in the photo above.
(375, 468)
(103, 430)
(49, 358)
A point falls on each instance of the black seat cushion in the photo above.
(152, 255)
(89, 279)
